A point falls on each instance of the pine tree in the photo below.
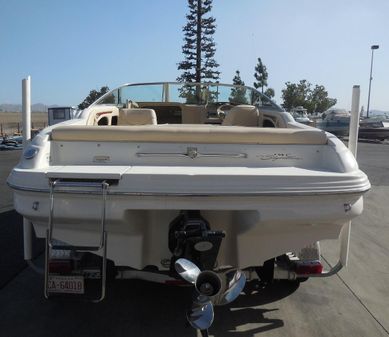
(238, 94)
(260, 75)
(269, 92)
(199, 48)
(237, 80)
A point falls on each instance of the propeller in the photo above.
(187, 270)
(208, 287)
(200, 315)
(235, 282)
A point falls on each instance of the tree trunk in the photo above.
(198, 42)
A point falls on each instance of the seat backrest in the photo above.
(193, 114)
(244, 115)
(137, 116)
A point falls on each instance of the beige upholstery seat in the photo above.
(193, 114)
(244, 115)
(137, 117)
(192, 134)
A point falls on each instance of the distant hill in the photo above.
(38, 107)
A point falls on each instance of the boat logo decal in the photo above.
(203, 246)
(279, 156)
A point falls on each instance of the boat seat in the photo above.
(244, 115)
(137, 116)
(193, 114)
(183, 133)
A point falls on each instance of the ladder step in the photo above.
(79, 248)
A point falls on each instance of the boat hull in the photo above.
(257, 227)
(271, 191)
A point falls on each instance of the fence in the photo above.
(11, 122)
(13, 129)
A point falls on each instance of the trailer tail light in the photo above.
(60, 266)
(308, 267)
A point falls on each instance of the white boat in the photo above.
(374, 128)
(376, 117)
(336, 121)
(155, 176)
(300, 115)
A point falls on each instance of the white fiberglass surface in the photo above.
(117, 153)
(240, 180)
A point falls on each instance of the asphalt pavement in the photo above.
(8, 159)
(353, 303)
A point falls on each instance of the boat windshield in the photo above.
(187, 93)
(300, 113)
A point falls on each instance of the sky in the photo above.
(71, 47)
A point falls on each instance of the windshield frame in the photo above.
(261, 99)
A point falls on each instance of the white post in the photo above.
(345, 243)
(354, 121)
(352, 145)
(26, 109)
(26, 119)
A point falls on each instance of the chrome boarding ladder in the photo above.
(51, 244)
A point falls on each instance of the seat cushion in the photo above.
(189, 134)
(243, 115)
(137, 116)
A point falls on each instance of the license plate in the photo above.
(66, 284)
